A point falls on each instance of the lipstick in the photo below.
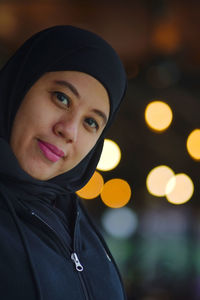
(50, 151)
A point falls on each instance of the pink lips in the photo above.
(50, 151)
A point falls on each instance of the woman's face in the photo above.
(59, 121)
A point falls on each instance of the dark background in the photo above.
(159, 44)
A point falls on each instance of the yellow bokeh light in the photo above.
(157, 180)
(158, 115)
(110, 156)
(183, 189)
(193, 144)
(170, 185)
(116, 193)
(93, 188)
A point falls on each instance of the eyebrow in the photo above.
(101, 114)
(69, 86)
(76, 93)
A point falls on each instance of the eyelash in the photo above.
(60, 96)
(88, 120)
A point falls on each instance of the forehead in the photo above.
(76, 76)
(78, 83)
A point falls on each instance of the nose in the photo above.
(67, 129)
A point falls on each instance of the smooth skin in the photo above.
(67, 109)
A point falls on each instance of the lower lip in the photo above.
(48, 153)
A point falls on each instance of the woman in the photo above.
(59, 94)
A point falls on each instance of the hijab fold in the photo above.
(23, 185)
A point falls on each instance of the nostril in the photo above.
(66, 130)
(58, 132)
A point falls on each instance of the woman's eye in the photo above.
(62, 98)
(92, 123)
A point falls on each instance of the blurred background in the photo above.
(152, 222)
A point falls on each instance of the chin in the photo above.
(36, 173)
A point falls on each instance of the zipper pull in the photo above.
(75, 259)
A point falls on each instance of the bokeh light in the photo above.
(110, 156)
(116, 193)
(158, 115)
(93, 188)
(170, 185)
(166, 37)
(157, 180)
(193, 144)
(120, 223)
(183, 189)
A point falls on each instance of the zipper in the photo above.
(81, 277)
(75, 259)
(56, 238)
(74, 256)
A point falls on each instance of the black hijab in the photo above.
(60, 48)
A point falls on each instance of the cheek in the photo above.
(23, 127)
(85, 145)
(26, 127)
(32, 119)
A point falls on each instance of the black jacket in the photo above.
(51, 266)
